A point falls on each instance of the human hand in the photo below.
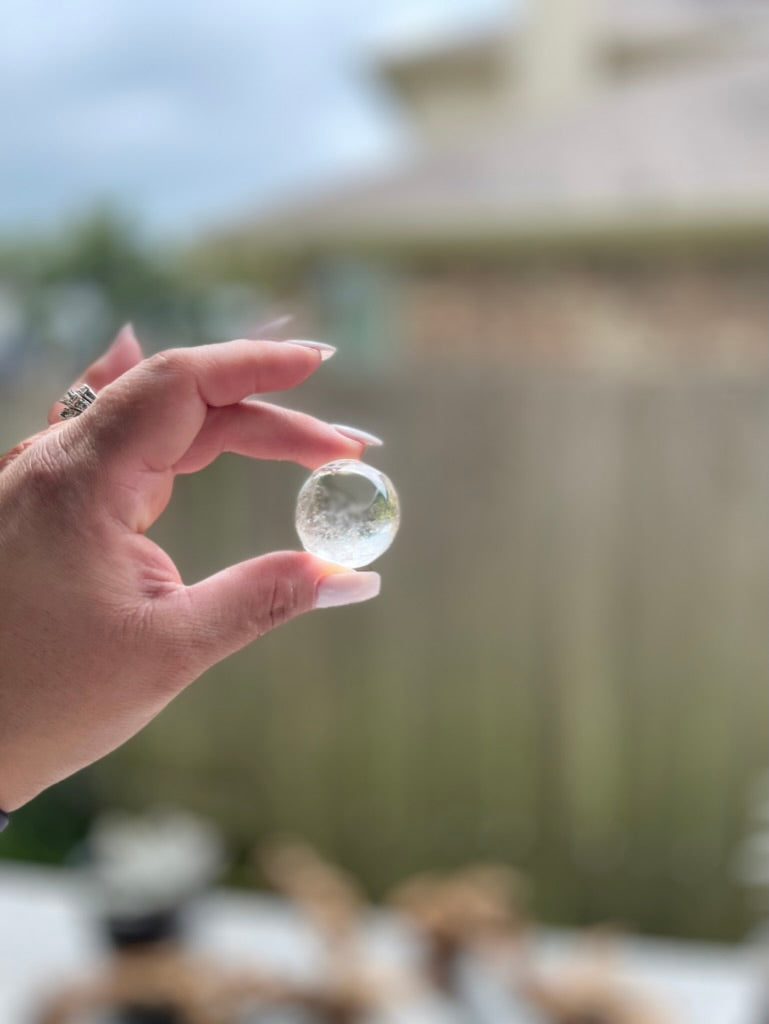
(98, 631)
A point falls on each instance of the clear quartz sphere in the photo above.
(347, 512)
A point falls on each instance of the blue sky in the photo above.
(187, 113)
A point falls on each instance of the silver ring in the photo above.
(76, 401)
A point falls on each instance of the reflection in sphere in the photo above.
(347, 512)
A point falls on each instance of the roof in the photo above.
(681, 150)
(620, 22)
(655, 18)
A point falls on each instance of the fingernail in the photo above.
(326, 351)
(126, 329)
(273, 325)
(358, 435)
(346, 588)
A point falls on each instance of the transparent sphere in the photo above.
(347, 512)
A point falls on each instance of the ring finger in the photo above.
(124, 352)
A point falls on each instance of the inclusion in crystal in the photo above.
(347, 512)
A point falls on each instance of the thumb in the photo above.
(245, 601)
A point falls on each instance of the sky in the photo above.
(187, 114)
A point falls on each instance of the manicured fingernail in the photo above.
(273, 325)
(346, 588)
(127, 330)
(358, 435)
(326, 351)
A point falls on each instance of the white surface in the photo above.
(48, 935)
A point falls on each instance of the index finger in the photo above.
(151, 415)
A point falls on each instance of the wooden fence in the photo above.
(566, 668)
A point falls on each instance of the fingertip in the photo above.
(323, 350)
(348, 587)
(361, 437)
(125, 350)
(123, 353)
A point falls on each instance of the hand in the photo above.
(98, 631)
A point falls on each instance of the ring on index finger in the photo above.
(77, 401)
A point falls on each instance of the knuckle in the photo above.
(52, 487)
(171, 361)
(13, 453)
(282, 605)
(173, 371)
(273, 603)
(47, 475)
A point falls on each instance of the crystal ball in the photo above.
(347, 512)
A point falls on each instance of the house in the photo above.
(587, 190)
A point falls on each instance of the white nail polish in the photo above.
(326, 351)
(371, 440)
(273, 325)
(346, 588)
(128, 328)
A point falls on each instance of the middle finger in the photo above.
(265, 431)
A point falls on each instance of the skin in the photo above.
(99, 632)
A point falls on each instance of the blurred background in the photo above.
(536, 232)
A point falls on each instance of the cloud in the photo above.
(184, 111)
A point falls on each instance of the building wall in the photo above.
(664, 316)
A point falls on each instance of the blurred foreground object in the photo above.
(152, 864)
(480, 907)
(330, 898)
(751, 868)
(249, 958)
(477, 910)
(590, 989)
(751, 864)
(144, 872)
(352, 987)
